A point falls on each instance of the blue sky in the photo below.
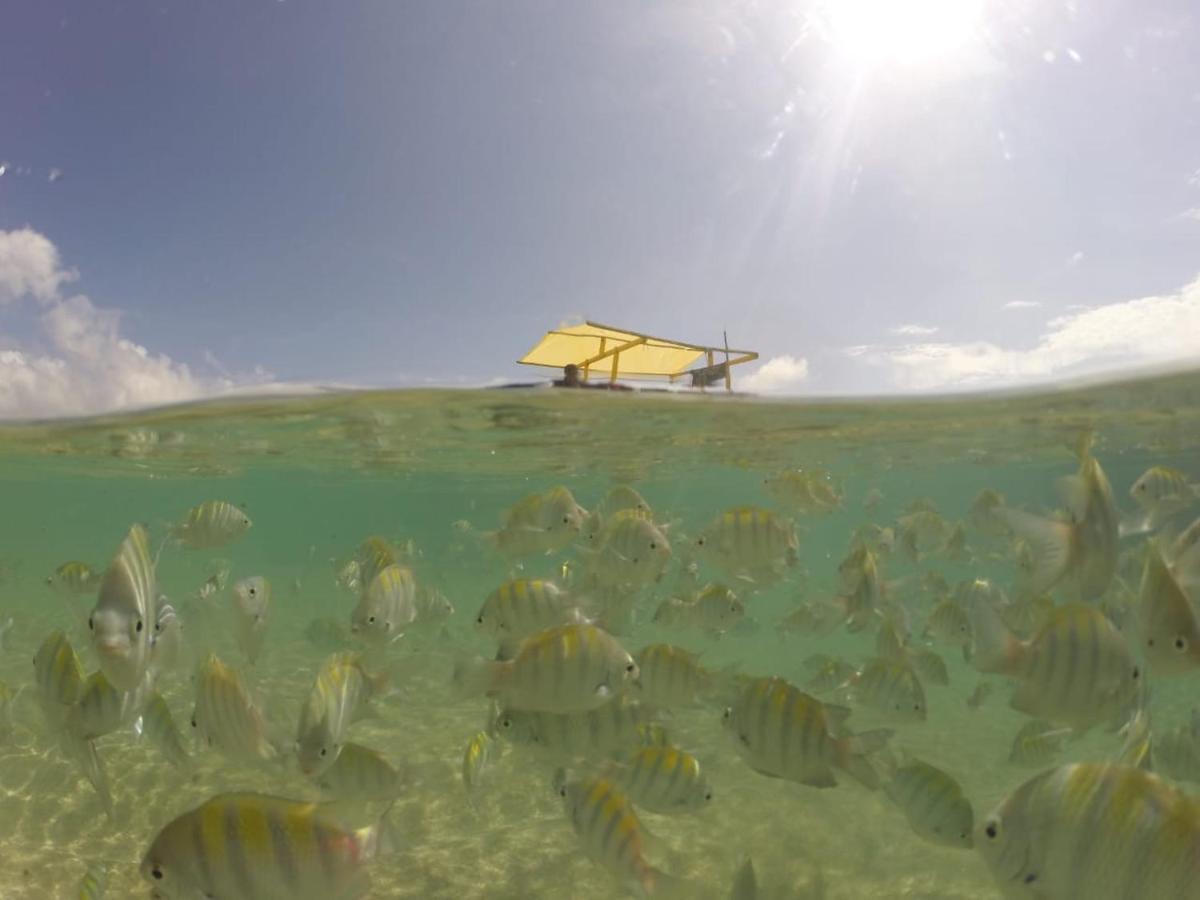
(381, 193)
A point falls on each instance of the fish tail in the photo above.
(995, 649)
(1051, 544)
(855, 750)
(652, 882)
(472, 677)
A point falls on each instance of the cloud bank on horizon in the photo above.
(79, 362)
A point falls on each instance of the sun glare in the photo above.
(870, 32)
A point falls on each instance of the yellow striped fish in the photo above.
(1169, 628)
(782, 732)
(610, 832)
(74, 577)
(619, 497)
(664, 780)
(891, 688)
(540, 523)
(251, 615)
(949, 622)
(257, 847)
(616, 727)
(102, 709)
(85, 754)
(158, 725)
(631, 551)
(212, 524)
(226, 717)
(1076, 671)
(477, 760)
(122, 622)
(387, 607)
(804, 490)
(94, 883)
(1163, 492)
(340, 695)
(1097, 831)
(521, 607)
(58, 674)
(669, 676)
(933, 803)
(1084, 547)
(360, 773)
(750, 542)
(167, 651)
(566, 668)
(373, 556)
(827, 673)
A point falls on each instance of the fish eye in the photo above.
(631, 668)
(708, 795)
(251, 592)
(1136, 673)
(157, 873)
(370, 620)
(566, 520)
(1031, 878)
(700, 542)
(91, 626)
(562, 791)
(653, 546)
(480, 619)
(727, 713)
(993, 829)
(139, 625)
(324, 751)
(1180, 644)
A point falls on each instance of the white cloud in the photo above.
(1192, 214)
(778, 375)
(1075, 258)
(1021, 304)
(1142, 332)
(29, 266)
(81, 363)
(915, 330)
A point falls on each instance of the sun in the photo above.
(872, 32)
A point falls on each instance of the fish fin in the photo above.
(1050, 541)
(1187, 566)
(1132, 526)
(745, 882)
(995, 649)
(652, 882)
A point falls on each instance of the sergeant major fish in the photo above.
(212, 524)
(251, 615)
(123, 619)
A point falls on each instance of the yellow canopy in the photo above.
(617, 352)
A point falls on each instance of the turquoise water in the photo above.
(318, 475)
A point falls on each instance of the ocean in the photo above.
(434, 472)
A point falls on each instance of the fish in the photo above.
(669, 676)
(782, 732)
(102, 709)
(387, 607)
(610, 832)
(750, 542)
(540, 523)
(433, 607)
(979, 696)
(167, 652)
(826, 673)
(564, 668)
(521, 607)
(347, 576)
(158, 725)
(618, 498)
(1036, 743)
(664, 780)
(983, 512)
(715, 609)
(1084, 546)
(226, 717)
(814, 619)
(246, 846)
(74, 577)
(1169, 628)
(1094, 830)
(928, 665)
(1138, 747)
(212, 524)
(619, 726)
(933, 802)
(58, 675)
(360, 773)
(1177, 754)
(631, 551)
(251, 615)
(949, 622)
(1163, 492)
(864, 592)
(341, 694)
(890, 687)
(374, 555)
(477, 762)
(122, 621)
(921, 532)
(94, 883)
(1184, 555)
(85, 754)
(1077, 670)
(804, 490)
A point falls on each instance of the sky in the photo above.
(878, 196)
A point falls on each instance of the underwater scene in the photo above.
(574, 644)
